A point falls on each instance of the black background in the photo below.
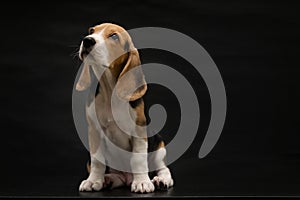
(254, 44)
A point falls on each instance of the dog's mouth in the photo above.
(86, 55)
(83, 54)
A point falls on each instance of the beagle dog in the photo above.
(110, 54)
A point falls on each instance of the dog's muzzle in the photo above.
(87, 45)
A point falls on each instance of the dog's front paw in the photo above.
(88, 185)
(162, 183)
(142, 186)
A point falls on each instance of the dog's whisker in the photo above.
(74, 54)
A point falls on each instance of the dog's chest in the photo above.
(112, 121)
(117, 132)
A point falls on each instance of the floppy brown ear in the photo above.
(126, 84)
(84, 80)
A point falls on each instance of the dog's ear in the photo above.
(131, 84)
(84, 80)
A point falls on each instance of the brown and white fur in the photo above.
(110, 41)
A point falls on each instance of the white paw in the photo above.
(142, 186)
(89, 186)
(162, 183)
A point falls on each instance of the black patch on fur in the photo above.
(135, 103)
(153, 142)
(97, 89)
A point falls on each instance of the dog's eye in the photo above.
(91, 31)
(114, 36)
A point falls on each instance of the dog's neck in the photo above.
(107, 82)
(108, 77)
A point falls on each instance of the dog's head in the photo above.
(109, 47)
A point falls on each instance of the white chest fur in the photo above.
(100, 112)
(104, 122)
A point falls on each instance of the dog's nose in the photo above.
(88, 42)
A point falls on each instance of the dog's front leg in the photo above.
(139, 165)
(96, 178)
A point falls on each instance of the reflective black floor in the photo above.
(199, 178)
